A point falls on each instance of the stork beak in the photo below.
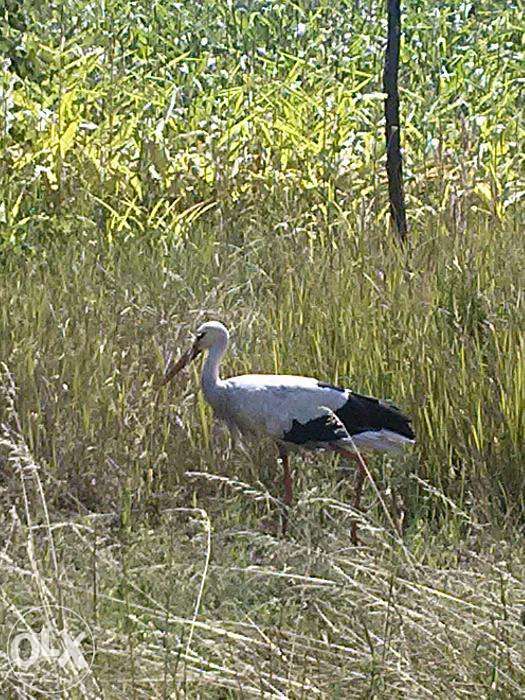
(174, 367)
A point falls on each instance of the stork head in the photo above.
(210, 334)
(207, 336)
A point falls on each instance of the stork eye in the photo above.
(200, 335)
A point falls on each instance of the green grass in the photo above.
(148, 184)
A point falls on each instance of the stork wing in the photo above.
(327, 430)
(284, 405)
(306, 412)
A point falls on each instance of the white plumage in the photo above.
(296, 412)
(268, 404)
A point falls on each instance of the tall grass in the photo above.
(86, 332)
(186, 608)
(167, 163)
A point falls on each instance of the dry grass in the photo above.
(146, 184)
(305, 617)
(186, 601)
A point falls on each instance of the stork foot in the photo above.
(284, 521)
(359, 481)
(288, 489)
(399, 512)
(358, 491)
(354, 538)
(269, 525)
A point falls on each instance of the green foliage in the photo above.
(438, 328)
(120, 117)
(166, 163)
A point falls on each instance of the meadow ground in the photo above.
(164, 164)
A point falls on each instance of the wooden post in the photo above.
(392, 129)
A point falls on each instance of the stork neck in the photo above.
(210, 374)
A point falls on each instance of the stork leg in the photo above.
(288, 486)
(360, 477)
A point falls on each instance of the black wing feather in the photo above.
(362, 413)
(324, 429)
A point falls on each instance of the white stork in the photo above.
(296, 412)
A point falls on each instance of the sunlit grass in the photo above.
(137, 119)
(164, 164)
(87, 332)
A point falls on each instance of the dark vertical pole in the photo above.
(393, 141)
